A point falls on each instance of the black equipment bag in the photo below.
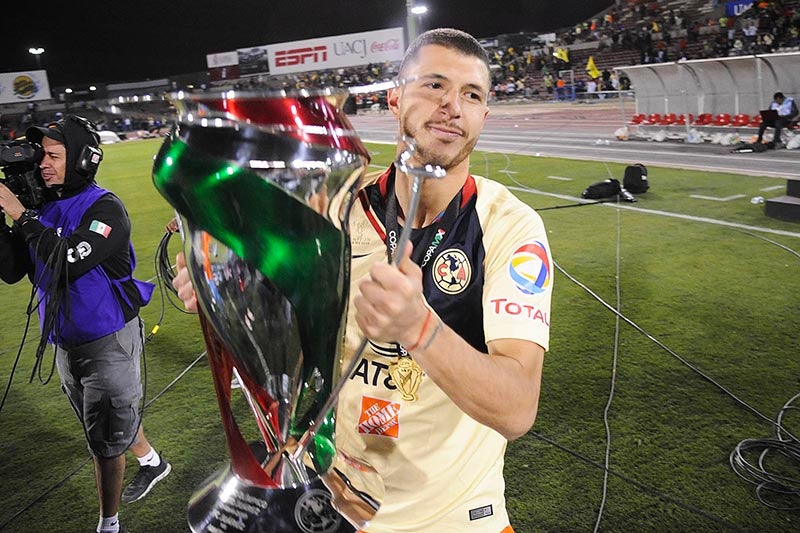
(635, 179)
(602, 189)
(746, 148)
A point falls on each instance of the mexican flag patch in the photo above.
(98, 227)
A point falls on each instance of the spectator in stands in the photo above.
(580, 85)
(787, 115)
(549, 83)
(511, 88)
(624, 82)
(561, 88)
(764, 43)
(738, 46)
(591, 89)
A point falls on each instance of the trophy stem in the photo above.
(308, 436)
(405, 236)
(267, 431)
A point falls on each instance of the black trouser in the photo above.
(780, 123)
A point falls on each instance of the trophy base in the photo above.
(226, 503)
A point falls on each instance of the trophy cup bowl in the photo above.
(264, 183)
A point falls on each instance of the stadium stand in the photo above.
(527, 66)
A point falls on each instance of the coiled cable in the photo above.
(766, 463)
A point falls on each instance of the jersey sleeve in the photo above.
(518, 286)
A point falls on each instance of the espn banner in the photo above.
(28, 86)
(339, 51)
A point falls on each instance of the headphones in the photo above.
(90, 156)
(89, 160)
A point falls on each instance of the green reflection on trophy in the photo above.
(264, 184)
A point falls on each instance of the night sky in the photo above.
(107, 41)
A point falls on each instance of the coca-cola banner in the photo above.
(336, 52)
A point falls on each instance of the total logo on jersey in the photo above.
(452, 271)
(530, 268)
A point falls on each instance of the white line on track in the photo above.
(717, 198)
(597, 153)
(649, 211)
(663, 213)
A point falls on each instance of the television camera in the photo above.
(19, 161)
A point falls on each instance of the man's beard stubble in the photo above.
(430, 157)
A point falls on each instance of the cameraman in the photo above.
(76, 250)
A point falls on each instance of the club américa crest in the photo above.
(451, 271)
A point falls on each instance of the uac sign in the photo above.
(736, 8)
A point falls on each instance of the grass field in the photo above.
(712, 287)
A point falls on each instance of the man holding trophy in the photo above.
(457, 326)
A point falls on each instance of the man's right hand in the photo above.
(10, 204)
(183, 284)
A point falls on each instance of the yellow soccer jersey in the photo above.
(489, 277)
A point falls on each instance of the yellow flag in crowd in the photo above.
(591, 69)
(562, 54)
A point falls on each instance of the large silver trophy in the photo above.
(264, 183)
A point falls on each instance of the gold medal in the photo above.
(406, 375)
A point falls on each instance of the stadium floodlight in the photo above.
(37, 53)
(413, 14)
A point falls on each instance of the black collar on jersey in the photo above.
(433, 234)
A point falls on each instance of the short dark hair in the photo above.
(778, 95)
(450, 38)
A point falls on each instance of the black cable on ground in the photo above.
(614, 365)
(677, 356)
(646, 488)
(19, 351)
(774, 490)
(86, 461)
(759, 461)
(165, 273)
(44, 494)
(578, 204)
(771, 487)
(57, 267)
(164, 276)
(54, 282)
(619, 316)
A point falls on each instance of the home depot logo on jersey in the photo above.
(379, 417)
